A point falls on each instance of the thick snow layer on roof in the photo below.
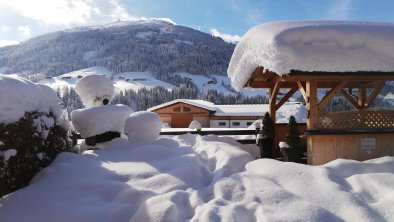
(18, 96)
(198, 178)
(336, 46)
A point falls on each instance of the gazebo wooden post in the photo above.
(311, 94)
(362, 96)
(272, 100)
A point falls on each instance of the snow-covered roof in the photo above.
(194, 102)
(290, 108)
(330, 46)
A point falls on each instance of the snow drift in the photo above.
(194, 178)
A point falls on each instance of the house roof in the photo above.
(345, 47)
(194, 102)
(290, 108)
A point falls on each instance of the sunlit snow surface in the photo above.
(197, 178)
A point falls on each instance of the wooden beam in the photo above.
(350, 98)
(311, 92)
(302, 90)
(327, 98)
(274, 92)
(285, 98)
(337, 77)
(272, 100)
(379, 85)
(362, 95)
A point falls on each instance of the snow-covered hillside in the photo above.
(137, 80)
(122, 81)
(193, 178)
(155, 46)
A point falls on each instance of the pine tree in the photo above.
(293, 135)
(268, 126)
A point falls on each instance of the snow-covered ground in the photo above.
(389, 98)
(205, 83)
(138, 80)
(196, 178)
(70, 79)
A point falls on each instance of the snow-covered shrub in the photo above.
(195, 125)
(95, 90)
(143, 126)
(98, 120)
(33, 130)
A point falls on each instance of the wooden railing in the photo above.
(207, 131)
(365, 119)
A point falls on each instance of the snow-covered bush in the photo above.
(95, 90)
(33, 130)
(143, 126)
(98, 120)
(195, 125)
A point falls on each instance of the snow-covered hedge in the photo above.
(33, 130)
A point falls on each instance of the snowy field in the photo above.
(198, 178)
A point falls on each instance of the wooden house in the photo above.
(181, 112)
(309, 56)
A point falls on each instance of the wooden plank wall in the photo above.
(325, 148)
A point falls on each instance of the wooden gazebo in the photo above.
(361, 134)
(323, 59)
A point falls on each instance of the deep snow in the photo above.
(196, 178)
(336, 46)
(18, 96)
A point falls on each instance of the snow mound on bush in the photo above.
(98, 120)
(195, 125)
(18, 96)
(143, 126)
(93, 89)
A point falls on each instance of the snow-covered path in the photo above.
(198, 178)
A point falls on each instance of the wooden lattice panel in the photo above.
(368, 119)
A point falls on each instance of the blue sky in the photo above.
(230, 19)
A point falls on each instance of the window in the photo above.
(236, 123)
(177, 109)
(249, 123)
(222, 123)
(186, 109)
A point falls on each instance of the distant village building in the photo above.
(181, 112)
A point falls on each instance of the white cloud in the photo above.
(24, 30)
(69, 12)
(226, 37)
(339, 9)
(4, 28)
(8, 42)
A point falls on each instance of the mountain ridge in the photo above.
(147, 45)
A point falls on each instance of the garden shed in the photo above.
(323, 60)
